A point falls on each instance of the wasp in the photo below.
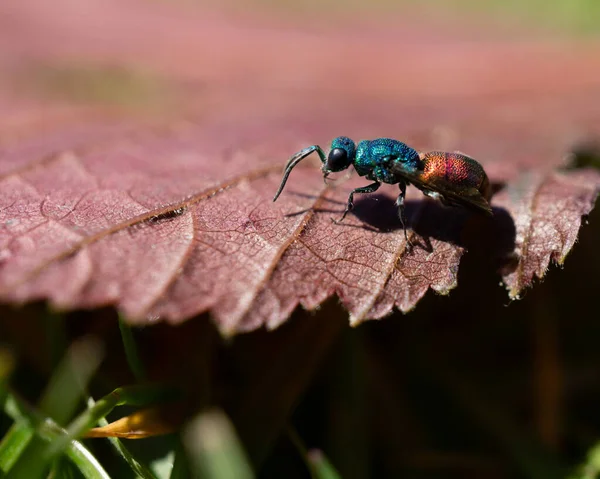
(452, 178)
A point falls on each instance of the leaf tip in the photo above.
(445, 291)
(356, 320)
(227, 332)
(514, 294)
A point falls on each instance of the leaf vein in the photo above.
(275, 261)
(208, 193)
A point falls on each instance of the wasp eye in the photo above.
(337, 160)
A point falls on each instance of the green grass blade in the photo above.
(40, 451)
(131, 396)
(316, 462)
(29, 421)
(180, 464)
(6, 366)
(139, 395)
(85, 461)
(14, 443)
(59, 402)
(66, 387)
(591, 468)
(321, 467)
(213, 448)
(131, 352)
(15, 439)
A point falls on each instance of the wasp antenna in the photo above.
(293, 161)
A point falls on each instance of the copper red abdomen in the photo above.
(457, 171)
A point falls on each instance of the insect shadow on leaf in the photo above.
(498, 241)
(430, 219)
(380, 212)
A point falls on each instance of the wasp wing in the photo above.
(470, 197)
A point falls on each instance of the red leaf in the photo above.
(166, 217)
(547, 210)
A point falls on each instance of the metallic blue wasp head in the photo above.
(341, 155)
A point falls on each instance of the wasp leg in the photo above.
(400, 206)
(363, 189)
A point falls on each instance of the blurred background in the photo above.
(466, 386)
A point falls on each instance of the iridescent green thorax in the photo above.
(364, 162)
(381, 154)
